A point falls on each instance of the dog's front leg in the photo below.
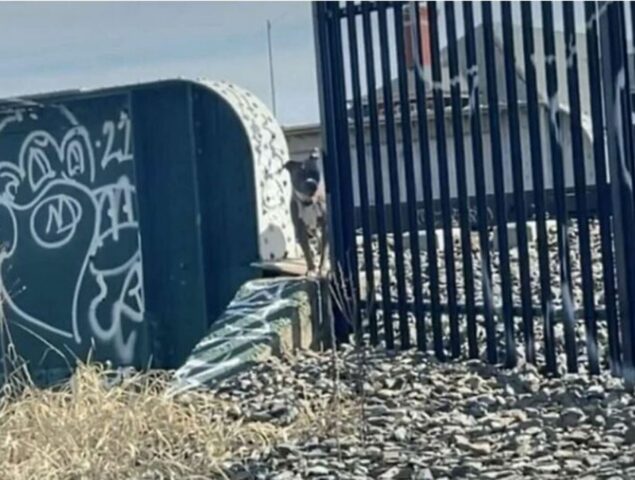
(303, 239)
(323, 247)
(302, 236)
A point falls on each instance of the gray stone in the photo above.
(395, 473)
(573, 465)
(598, 421)
(277, 409)
(629, 435)
(373, 452)
(284, 476)
(260, 417)
(464, 469)
(439, 471)
(400, 434)
(478, 448)
(592, 460)
(596, 391)
(424, 474)
(386, 393)
(551, 467)
(449, 420)
(317, 470)
(571, 417)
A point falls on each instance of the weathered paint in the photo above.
(266, 317)
(129, 217)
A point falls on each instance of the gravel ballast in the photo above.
(424, 419)
(418, 418)
(574, 291)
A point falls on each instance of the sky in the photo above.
(58, 46)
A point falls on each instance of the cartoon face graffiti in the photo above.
(71, 261)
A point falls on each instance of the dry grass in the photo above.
(86, 430)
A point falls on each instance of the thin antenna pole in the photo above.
(271, 77)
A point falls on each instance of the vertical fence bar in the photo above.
(461, 180)
(442, 161)
(602, 190)
(631, 65)
(632, 10)
(577, 150)
(378, 177)
(538, 185)
(559, 186)
(426, 174)
(362, 176)
(618, 113)
(326, 71)
(395, 198)
(406, 132)
(348, 264)
(499, 184)
(616, 110)
(518, 183)
(479, 179)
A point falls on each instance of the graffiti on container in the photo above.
(70, 268)
(269, 152)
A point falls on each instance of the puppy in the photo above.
(308, 207)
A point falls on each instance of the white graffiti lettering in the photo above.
(62, 214)
(64, 205)
(110, 131)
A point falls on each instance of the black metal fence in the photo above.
(457, 134)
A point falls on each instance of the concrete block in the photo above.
(267, 317)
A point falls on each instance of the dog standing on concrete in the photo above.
(308, 207)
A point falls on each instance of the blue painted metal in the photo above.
(361, 164)
(446, 212)
(347, 265)
(125, 236)
(347, 170)
(499, 188)
(617, 112)
(426, 174)
(580, 186)
(546, 300)
(474, 80)
(461, 178)
(406, 135)
(483, 62)
(393, 174)
(515, 147)
(369, 56)
(603, 192)
(558, 180)
(329, 66)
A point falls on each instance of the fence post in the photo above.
(602, 192)
(329, 69)
(620, 158)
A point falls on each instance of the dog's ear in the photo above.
(291, 165)
(285, 166)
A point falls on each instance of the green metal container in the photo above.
(130, 216)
